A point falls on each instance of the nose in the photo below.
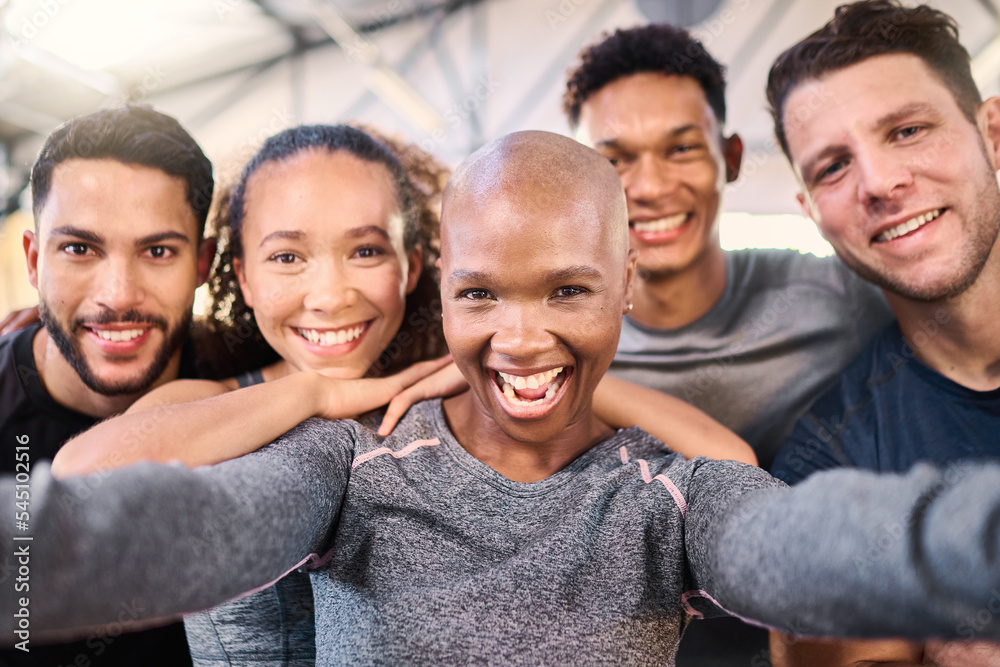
(520, 332)
(882, 175)
(649, 180)
(120, 285)
(329, 287)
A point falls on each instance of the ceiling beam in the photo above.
(556, 71)
(760, 35)
(991, 8)
(385, 82)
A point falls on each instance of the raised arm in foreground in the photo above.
(857, 554)
(201, 422)
(159, 540)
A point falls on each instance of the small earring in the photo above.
(630, 308)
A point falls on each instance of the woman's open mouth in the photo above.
(536, 389)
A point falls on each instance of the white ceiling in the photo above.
(448, 74)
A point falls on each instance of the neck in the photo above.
(669, 301)
(64, 385)
(516, 460)
(958, 337)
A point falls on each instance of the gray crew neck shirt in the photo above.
(784, 328)
(424, 555)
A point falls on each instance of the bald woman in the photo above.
(508, 524)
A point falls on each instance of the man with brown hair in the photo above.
(898, 170)
(120, 198)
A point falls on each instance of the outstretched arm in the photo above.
(788, 651)
(791, 651)
(199, 423)
(682, 427)
(164, 539)
(856, 554)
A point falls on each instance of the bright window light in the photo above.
(91, 35)
(745, 230)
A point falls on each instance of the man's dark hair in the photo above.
(658, 47)
(131, 134)
(861, 30)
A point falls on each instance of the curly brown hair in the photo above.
(227, 339)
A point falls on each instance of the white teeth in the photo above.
(327, 338)
(661, 225)
(119, 336)
(512, 382)
(908, 226)
(508, 391)
(531, 381)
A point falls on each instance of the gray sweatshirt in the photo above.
(422, 554)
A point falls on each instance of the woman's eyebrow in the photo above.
(289, 235)
(360, 232)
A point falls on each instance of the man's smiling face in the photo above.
(535, 276)
(663, 138)
(897, 178)
(116, 261)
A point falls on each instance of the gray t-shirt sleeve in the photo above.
(851, 553)
(161, 539)
(716, 488)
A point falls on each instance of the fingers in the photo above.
(18, 320)
(419, 371)
(446, 381)
(397, 408)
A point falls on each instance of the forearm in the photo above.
(162, 540)
(682, 427)
(196, 433)
(795, 651)
(854, 554)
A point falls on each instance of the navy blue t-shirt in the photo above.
(889, 411)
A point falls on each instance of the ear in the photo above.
(206, 253)
(633, 259)
(241, 277)
(988, 121)
(416, 266)
(733, 152)
(30, 243)
(808, 210)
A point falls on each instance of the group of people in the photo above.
(392, 440)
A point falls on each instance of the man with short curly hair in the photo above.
(751, 337)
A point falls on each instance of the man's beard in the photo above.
(975, 255)
(69, 346)
(983, 221)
